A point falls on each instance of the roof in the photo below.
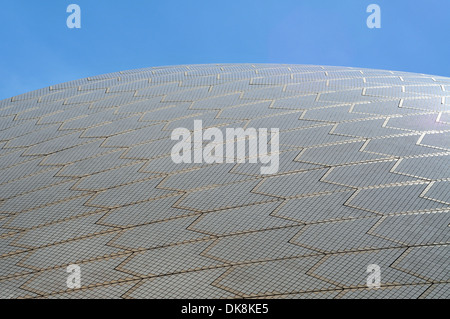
(87, 178)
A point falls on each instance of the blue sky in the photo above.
(37, 49)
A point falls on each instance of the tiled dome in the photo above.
(87, 178)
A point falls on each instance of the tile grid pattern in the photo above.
(86, 178)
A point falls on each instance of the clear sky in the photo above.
(38, 49)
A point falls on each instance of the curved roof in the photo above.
(87, 178)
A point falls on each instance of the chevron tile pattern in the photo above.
(86, 178)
